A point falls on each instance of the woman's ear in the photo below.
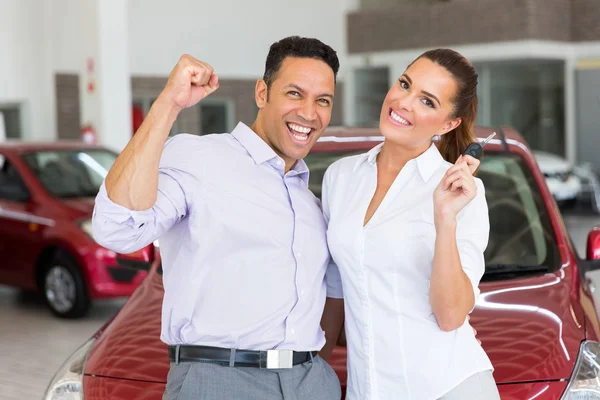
(261, 93)
(450, 125)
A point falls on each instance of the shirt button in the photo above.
(302, 292)
(298, 254)
(293, 331)
(279, 162)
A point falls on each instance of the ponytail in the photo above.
(455, 142)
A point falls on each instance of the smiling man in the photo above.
(295, 98)
(242, 237)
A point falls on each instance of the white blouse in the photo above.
(396, 349)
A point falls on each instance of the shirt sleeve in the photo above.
(332, 275)
(124, 231)
(472, 235)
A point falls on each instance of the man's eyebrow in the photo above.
(299, 89)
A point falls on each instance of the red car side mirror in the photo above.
(593, 244)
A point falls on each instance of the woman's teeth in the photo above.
(399, 119)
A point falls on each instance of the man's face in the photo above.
(297, 108)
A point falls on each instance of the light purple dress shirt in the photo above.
(243, 244)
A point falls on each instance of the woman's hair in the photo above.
(455, 142)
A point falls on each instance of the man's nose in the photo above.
(308, 111)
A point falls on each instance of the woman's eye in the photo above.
(403, 84)
(428, 103)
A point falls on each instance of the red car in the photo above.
(47, 196)
(535, 316)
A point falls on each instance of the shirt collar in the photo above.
(254, 145)
(427, 162)
(300, 168)
(261, 152)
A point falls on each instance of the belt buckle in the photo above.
(276, 359)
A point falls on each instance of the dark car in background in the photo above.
(536, 315)
(47, 196)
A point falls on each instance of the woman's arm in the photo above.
(458, 262)
(332, 323)
(450, 293)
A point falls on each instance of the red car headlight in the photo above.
(67, 383)
(585, 380)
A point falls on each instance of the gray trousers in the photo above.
(312, 380)
(480, 386)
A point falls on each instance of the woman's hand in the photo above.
(456, 189)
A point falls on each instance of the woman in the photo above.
(408, 225)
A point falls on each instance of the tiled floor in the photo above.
(33, 343)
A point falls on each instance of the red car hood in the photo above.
(83, 204)
(129, 346)
(530, 328)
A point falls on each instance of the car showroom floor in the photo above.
(33, 343)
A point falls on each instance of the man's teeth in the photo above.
(398, 118)
(299, 129)
(299, 132)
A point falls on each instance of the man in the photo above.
(242, 238)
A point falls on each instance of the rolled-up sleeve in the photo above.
(124, 231)
(332, 275)
(472, 235)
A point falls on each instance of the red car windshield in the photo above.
(521, 239)
(71, 173)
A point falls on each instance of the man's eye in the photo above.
(293, 93)
(324, 102)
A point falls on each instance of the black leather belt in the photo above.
(243, 358)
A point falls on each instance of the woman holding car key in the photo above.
(407, 228)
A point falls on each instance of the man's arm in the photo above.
(132, 182)
(139, 201)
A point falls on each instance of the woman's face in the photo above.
(419, 106)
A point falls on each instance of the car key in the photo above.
(475, 149)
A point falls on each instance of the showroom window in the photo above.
(11, 113)
(211, 116)
(216, 116)
(371, 87)
(527, 95)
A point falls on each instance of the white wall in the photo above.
(233, 36)
(69, 35)
(26, 75)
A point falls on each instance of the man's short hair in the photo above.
(300, 47)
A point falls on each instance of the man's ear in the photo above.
(450, 125)
(261, 93)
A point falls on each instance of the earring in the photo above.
(435, 138)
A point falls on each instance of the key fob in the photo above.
(474, 150)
